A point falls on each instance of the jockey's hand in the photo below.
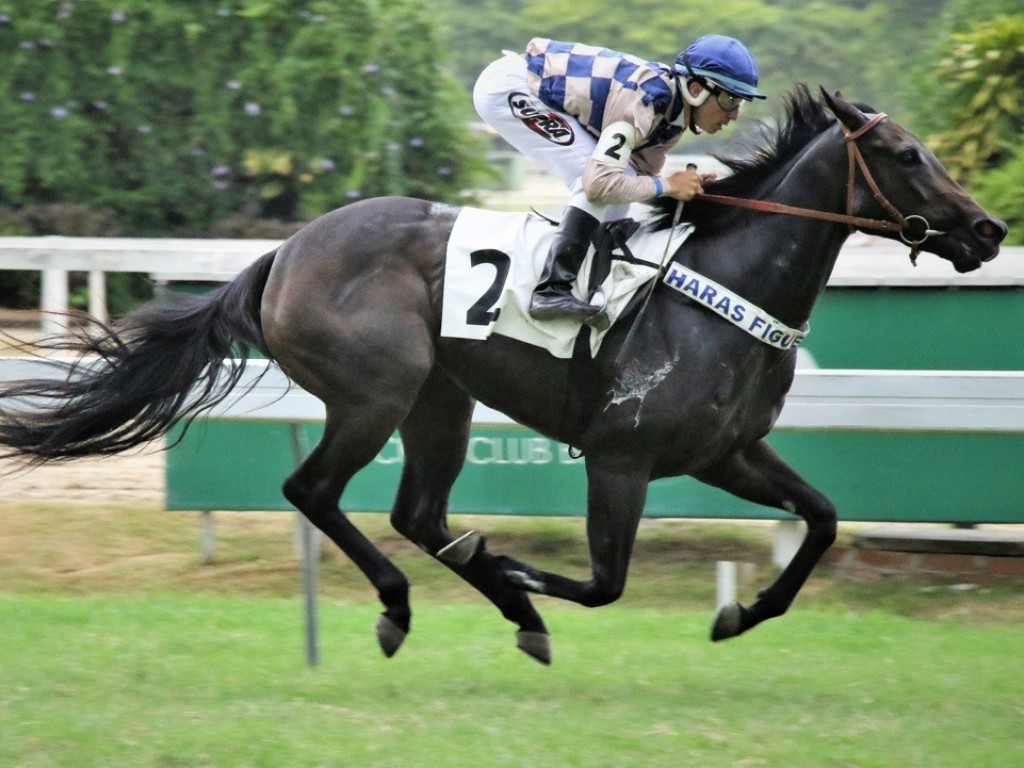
(685, 185)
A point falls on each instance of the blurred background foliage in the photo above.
(239, 118)
(176, 115)
(950, 70)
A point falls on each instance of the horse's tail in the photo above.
(164, 363)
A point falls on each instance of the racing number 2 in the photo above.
(481, 313)
(615, 149)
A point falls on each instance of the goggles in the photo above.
(726, 100)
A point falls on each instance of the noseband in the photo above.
(899, 223)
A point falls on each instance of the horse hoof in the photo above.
(536, 645)
(728, 622)
(389, 635)
(461, 551)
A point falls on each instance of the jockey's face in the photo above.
(710, 117)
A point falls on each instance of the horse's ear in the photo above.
(845, 112)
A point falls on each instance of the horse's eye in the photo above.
(909, 156)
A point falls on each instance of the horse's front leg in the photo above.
(616, 491)
(758, 474)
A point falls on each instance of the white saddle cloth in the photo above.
(481, 297)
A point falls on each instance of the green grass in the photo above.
(119, 648)
(170, 680)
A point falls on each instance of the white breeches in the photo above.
(554, 139)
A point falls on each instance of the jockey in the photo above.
(603, 122)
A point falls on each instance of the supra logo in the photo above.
(549, 125)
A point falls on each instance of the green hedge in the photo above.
(179, 114)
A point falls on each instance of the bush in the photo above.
(176, 115)
(979, 75)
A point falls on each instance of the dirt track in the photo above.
(136, 478)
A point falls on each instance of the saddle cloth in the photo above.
(494, 261)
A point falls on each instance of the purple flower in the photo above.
(5, 18)
(220, 171)
(118, 16)
(352, 194)
(327, 164)
(252, 108)
(233, 85)
(28, 96)
(59, 112)
(114, 71)
(416, 142)
(370, 68)
(100, 104)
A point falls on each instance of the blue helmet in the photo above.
(723, 60)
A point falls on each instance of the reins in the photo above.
(899, 222)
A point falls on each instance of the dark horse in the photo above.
(350, 309)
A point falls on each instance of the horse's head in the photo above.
(940, 216)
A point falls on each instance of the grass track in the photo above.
(167, 680)
(118, 649)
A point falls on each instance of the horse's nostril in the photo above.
(990, 229)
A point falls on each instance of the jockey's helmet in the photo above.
(722, 62)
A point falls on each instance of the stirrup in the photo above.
(561, 307)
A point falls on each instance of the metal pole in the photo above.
(300, 449)
(208, 538)
(725, 582)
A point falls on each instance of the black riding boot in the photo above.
(552, 298)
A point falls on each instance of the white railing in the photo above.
(863, 262)
(54, 257)
(820, 399)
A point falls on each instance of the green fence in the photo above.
(511, 470)
(870, 476)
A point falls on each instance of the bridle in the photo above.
(899, 223)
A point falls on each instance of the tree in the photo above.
(971, 99)
(981, 82)
(859, 48)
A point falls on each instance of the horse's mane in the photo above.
(805, 118)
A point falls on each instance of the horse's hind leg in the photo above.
(315, 488)
(434, 436)
(759, 475)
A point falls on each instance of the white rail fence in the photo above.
(876, 263)
(164, 259)
(989, 402)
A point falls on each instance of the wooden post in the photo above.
(98, 296)
(53, 301)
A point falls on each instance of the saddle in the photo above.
(494, 261)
